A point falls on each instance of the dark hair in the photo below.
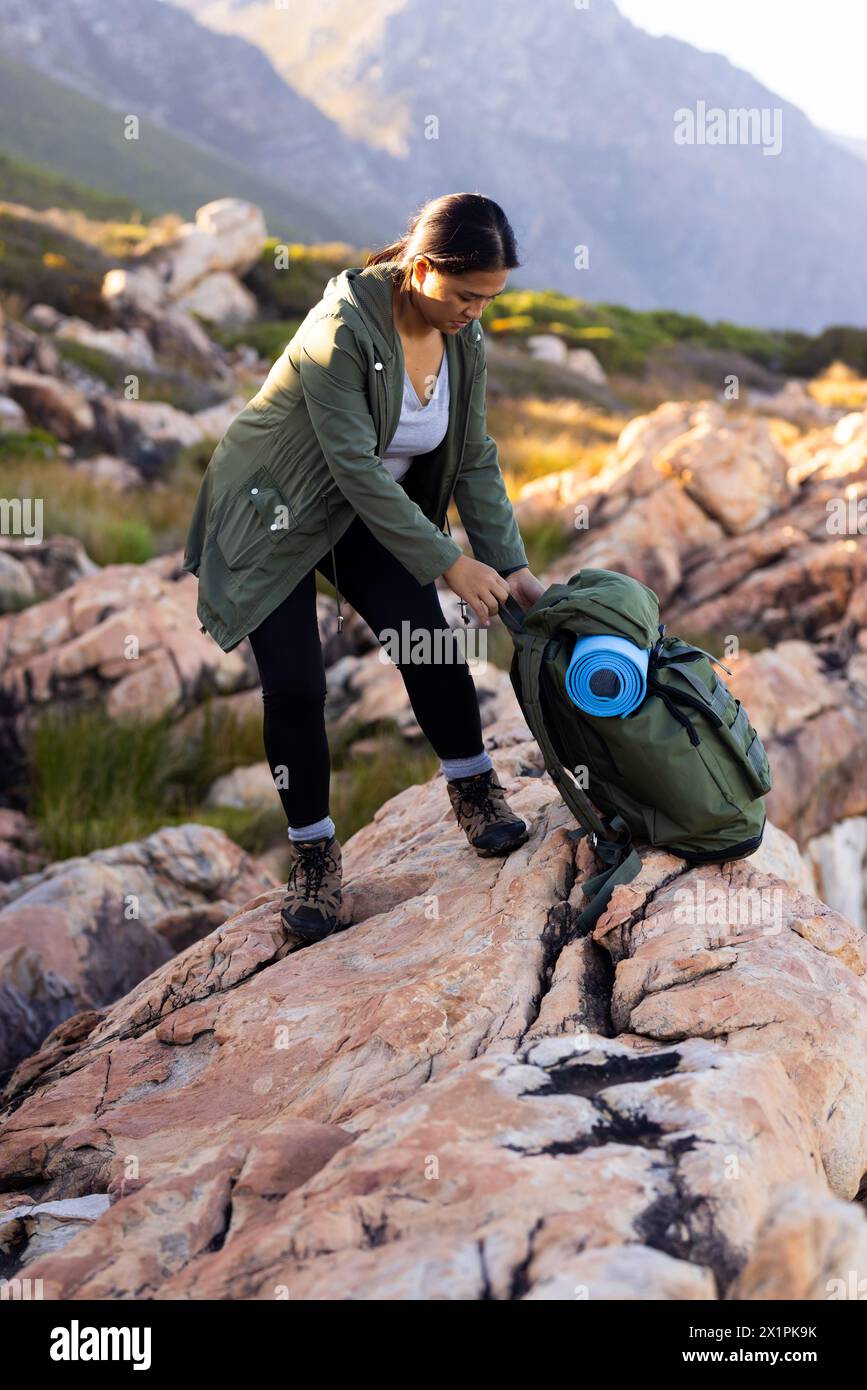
(457, 232)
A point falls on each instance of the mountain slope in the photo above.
(566, 117)
(45, 122)
(152, 60)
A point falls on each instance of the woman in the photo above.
(368, 423)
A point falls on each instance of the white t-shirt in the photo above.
(422, 424)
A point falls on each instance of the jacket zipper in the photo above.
(323, 495)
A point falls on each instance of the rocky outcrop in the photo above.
(365, 689)
(31, 570)
(55, 405)
(459, 1097)
(80, 933)
(20, 850)
(733, 533)
(126, 637)
(195, 272)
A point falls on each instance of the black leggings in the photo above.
(288, 654)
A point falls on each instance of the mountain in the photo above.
(853, 143)
(152, 60)
(566, 117)
(56, 128)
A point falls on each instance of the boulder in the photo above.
(227, 236)
(82, 932)
(109, 471)
(149, 434)
(245, 788)
(587, 364)
(12, 416)
(127, 637)
(20, 850)
(457, 1097)
(44, 1228)
(734, 535)
(131, 347)
(839, 860)
(793, 402)
(220, 298)
(50, 565)
(55, 405)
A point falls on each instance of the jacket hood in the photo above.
(368, 289)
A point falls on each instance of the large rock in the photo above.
(55, 405)
(147, 433)
(227, 236)
(221, 299)
(126, 637)
(49, 565)
(809, 714)
(20, 849)
(80, 933)
(734, 536)
(500, 1108)
(839, 860)
(365, 689)
(130, 347)
(735, 472)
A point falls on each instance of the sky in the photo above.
(812, 54)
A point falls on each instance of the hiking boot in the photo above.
(482, 812)
(313, 893)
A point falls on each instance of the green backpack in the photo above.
(685, 771)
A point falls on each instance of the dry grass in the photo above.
(537, 437)
(845, 393)
(113, 527)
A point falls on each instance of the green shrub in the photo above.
(28, 444)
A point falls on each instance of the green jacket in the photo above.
(303, 458)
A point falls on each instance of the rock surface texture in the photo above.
(456, 1097)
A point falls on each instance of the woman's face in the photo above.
(448, 302)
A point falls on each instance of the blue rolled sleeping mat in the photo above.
(607, 675)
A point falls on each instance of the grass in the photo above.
(536, 437)
(112, 527)
(182, 389)
(40, 261)
(624, 340)
(95, 783)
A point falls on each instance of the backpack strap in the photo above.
(613, 842)
(624, 864)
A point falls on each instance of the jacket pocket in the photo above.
(256, 517)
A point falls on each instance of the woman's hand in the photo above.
(478, 585)
(524, 587)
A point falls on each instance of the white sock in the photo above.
(314, 831)
(466, 767)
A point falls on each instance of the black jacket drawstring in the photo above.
(333, 562)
